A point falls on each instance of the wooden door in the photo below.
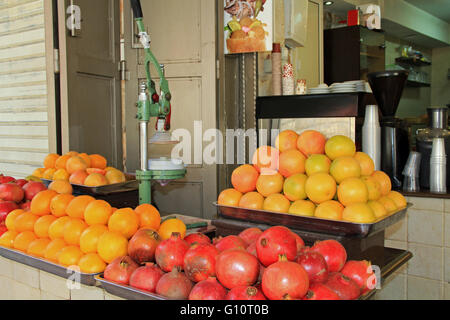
(183, 35)
(90, 84)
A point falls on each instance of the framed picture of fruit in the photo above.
(248, 26)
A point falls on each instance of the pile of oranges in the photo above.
(80, 230)
(79, 168)
(308, 175)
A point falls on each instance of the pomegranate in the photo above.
(174, 285)
(11, 192)
(343, 286)
(315, 265)
(146, 277)
(319, 291)
(200, 262)
(120, 270)
(170, 253)
(197, 238)
(21, 182)
(208, 289)
(237, 267)
(285, 280)
(362, 273)
(25, 205)
(250, 235)
(245, 293)
(252, 249)
(274, 242)
(333, 252)
(304, 250)
(142, 246)
(299, 241)
(6, 179)
(5, 208)
(229, 242)
(261, 272)
(32, 188)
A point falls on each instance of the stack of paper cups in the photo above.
(371, 135)
(276, 69)
(288, 79)
(438, 167)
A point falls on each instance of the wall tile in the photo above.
(426, 261)
(87, 293)
(55, 285)
(26, 275)
(394, 288)
(424, 289)
(447, 265)
(6, 267)
(447, 291)
(49, 296)
(6, 285)
(447, 229)
(22, 291)
(425, 227)
(397, 231)
(427, 204)
(447, 205)
(111, 297)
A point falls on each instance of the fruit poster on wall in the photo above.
(248, 26)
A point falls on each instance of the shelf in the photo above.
(416, 84)
(412, 62)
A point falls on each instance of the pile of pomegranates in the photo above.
(273, 264)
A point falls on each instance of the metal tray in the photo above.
(84, 278)
(126, 292)
(335, 227)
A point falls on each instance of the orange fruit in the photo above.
(317, 163)
(320, 187)
(97, 161)
(25, 222)
(352, 190)
(373, 187)
(40, 205)
(294, 187)
(149, 216)
(97, 212)
(389, 204)
(61, 162)
(86, 159)
(69, 256)
(73, 229)
(50, 160)
(115, 176)
(59, 204)
(56, 229)
(11, 218)
(23, 240)
(270, 184)
(311, 142)
(358, 213)
(61, 187)
(384, 181)
(398, 198)
(37, 247)
(252, 200)
(291, 162)
(48, 174)
(7, 239)
(244, 178)
(172, 226)
(95, 180)
(229, 197)
(277, 203)
(61, 174)
(78, 205)
(266, 160)
(72, 154)
(366, 163)
(304, 208)
(329, 210)
(42, 224)
(112, 245)
(89, 238)
(78, 177)
(38, 173)
(96, 170)
(345, 168)
(91, 263)
(125, 221)
(286, 140)
(340, 146)
(75, 163)
(53, 248)
(378, 209)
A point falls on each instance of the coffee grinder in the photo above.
(387, 87)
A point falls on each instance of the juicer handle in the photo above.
(137, 9)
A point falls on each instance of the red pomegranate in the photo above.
(250, 235)
(208, 289)
(333, 252)
(6, 179)
(319, 291)
(304, 250)
(174, 285)
(343, 286)
(146, 278)
(197, 238)
(285, 280)
(200, 262)
(362, 273)
(142, 246)
(261, 272)
(170, 253)
(315, 265)
(229, 242)
(120, 270)
(5, 208)
(252, 249)
(11, 192)
(299, 241)
(237, 267)
(25, 205)
(245, 293)
(21, 182)
(274, 242)
(32, 188)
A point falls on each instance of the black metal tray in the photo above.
(84, 278)
(335, 227)
(130, 185)
(126, 292)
